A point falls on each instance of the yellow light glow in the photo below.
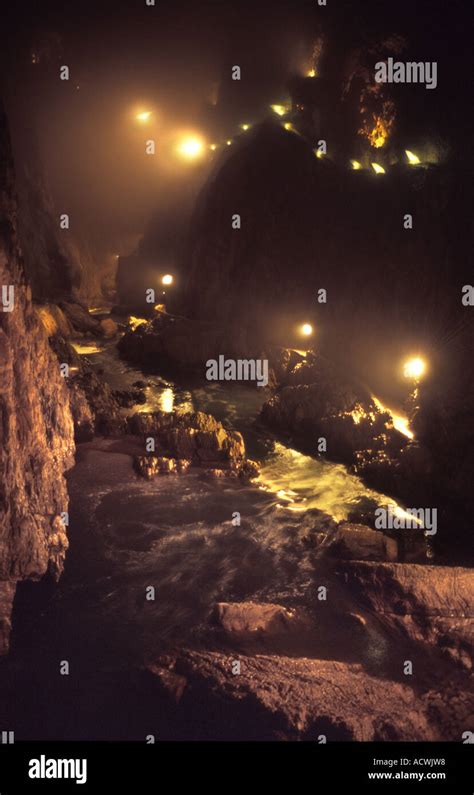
(356, 165)
(229, 142)
(167, 400)
(414, 368)
(213, 147)
(307, 329)
(288, 126)
(191, 147)
(399, 421)
(311, 73)
(167, 279)
(378, 169)
(144, 116)
(245, 127)
(280, 110)
(319, 154)
(413, 159)
(134, 322)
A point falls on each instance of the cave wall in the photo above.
(36, 427)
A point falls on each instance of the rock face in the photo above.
(430, 604)
(276, 697)
(36, 427)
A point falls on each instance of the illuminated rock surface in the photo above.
(36, 428)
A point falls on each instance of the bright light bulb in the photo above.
(245, 127)
(306, 329)
(213, 147)
(168, 279)
(378, 169)
(229, 142)
(144, 116)
(190, 148)
(280, 110)
(414, 368)
(311, 73)
(356, 165)
(413, 159)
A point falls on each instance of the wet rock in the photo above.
(104, 408)
(150, 466)
(129, 397)
(249, 618)
(429, 604)
(358, 542)
(301, 698)
(249, 470)
(192, 436)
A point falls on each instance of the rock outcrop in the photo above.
(429, 604)
(275, 697)
(36, 427)
(189, 438)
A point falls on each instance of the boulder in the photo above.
(429, 604)
(191, 436)
(250, 618)
(358, 542)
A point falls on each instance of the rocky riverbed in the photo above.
(216, 599)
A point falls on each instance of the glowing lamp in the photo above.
(413, 159)
(280, 110)
(144, 116)
(377, 168)
(167, 279)
(190, 148)
(414, 368)
(311, 73)
(306, 329)
(356, 165)
(213, 147)
(245, 127)
(229, 142)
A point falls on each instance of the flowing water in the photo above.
(180, 537)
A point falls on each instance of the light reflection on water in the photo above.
(301, 482)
